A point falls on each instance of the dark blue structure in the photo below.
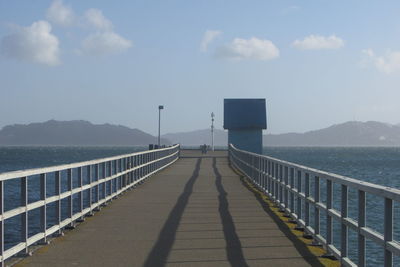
(245, 119)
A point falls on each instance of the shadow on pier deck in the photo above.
(194, 213)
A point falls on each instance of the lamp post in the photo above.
(159, 124)
(212, 131)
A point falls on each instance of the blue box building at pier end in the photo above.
(245, 119)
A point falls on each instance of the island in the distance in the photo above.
(84, 133)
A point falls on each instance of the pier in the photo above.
(173, 207)
(194, 213)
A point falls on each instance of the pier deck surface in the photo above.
(195, 213)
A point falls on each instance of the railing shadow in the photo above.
(234, 247)
(160, 251)
(298, 244)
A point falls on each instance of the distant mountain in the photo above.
(78, 132)
(352, 133)
(84, 133)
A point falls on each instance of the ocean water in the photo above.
(376, 165)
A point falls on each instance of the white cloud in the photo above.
(34, 43)
(60, 14)
(96, 19)
(316, 42)
(253, 48)
(105, 43)
(208, 37)
(388, 64)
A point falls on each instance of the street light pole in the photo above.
(212, 131)
(159, 124)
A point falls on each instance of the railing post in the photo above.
(131, 178)
(299, 211)
(388, 231)
(140, 168)
(43, 209)
(24, 216)
(109, 174)
(361, 224)
(104, 184)
(286, 178)
(276, 177)
(344, 230)
(291, 192)
(269, 177)
(260, 172)
(135, 164)
(329, 223)
(317, 195)
(97, 177)
(90, 179)
(71, 197)
(2, 221)
(57, 187)
(306, 203)
(80, 184)
(281, 186)
(252, 170)
(273, 180)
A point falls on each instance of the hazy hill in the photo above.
(79, 133)
(353, 133)
(83, 133)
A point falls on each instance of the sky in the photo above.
(316, 63)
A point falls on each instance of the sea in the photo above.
(379, 165)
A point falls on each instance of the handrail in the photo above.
(289, 186)
(107, 178)
(30, 172)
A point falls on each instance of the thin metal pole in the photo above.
(159, 126)
(2, 221)
(344, 214)
(388, 231)
(24, 216)
(89, 177)
(316, 210)
(212, 131)
(299, 211)
(291, 192)
(306, 203)
(70, 198)
(43, 215)
(361, 224)
(57, 187)
(329, 223)
(80, 184)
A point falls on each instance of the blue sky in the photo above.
(316, 62)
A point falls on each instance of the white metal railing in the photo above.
(105, 179)
(290, 186)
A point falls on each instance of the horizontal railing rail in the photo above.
(100, 180)
(296, 190)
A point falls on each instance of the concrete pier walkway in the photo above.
(196, 212)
